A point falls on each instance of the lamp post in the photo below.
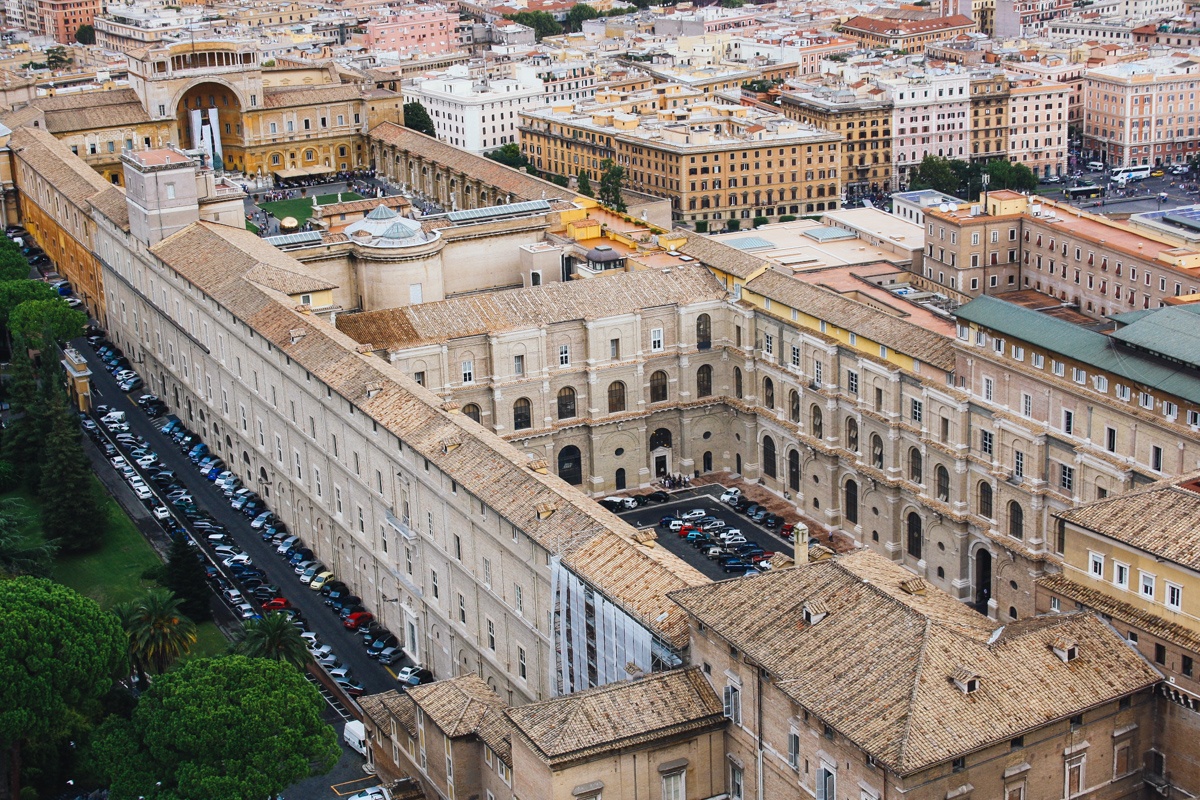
(985, 179)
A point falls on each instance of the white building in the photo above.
(477, 115)
(931, 116)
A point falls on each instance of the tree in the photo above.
(935, 173)
(184, 576)
(59, 654)
(579, 14)
(21, 554)
(77, 526)
(40, 323)
(219, 729)
(159, 634)
(22, 444)
(585, 184)
(510, 155)
(85, 34)
(58, 58)
(13, 265)
(732, 3)
(417, 118)
(611, 176)
(274, 637)
(542, 22)
(15, 292)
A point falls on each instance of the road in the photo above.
(1146, 194)
(346, 644)
(705, 497)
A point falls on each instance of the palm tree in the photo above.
(275, 637)
(159, 633)
(126, 612)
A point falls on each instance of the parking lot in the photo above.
(705, 498)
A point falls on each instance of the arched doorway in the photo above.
(983, 579)
(850, 502)
(768, 454)
(737, 463)
(794, 470)
(660, 452)
(210, 120)
(620, 479)
(707, 461)
(570, 465)
(915, 537)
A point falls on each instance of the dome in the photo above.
(383, 227)
(602, 253)
(289, 222)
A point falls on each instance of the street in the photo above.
(1144, 194)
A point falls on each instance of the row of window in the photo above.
(1146, 586)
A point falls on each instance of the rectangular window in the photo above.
(673, 786)
(491, 635)
(433, 584)
(852, 381)
(656, 339)
(1096, 564)
(518, 365)
(564, 355)
(796, 360)
(1078, 375)
(1026, 405)
(733, 704)
(1156, 458)
(1068, 425)
(1121, 575)
(614, 349)
(468, 371)
(1147, 585)
(1038, 360)
(917, 411)
(987, 443)
(793, 750)
(462, 608)
(1123, 392)
(989, 389)
(1145, 400)
(1075, 776)
(1160, 653)
(1185, 666)
(1110, 439)
(1059, 368)
(818, 370)
(1018, 464)
(521, 669)
(1174, 599)
(1066, 477)
(518, 599)
(487, 572)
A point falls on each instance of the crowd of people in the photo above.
(675, 481)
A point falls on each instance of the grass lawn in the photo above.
(302, 208)
(250, 226)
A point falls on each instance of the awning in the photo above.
(292, 172)
(318, 170)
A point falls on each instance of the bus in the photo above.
(1130, 173)
(1077, 192)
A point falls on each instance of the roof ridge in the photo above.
(919, 669)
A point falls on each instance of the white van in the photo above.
(1095, 166)
(355, 736)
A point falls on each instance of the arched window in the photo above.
(794, 470)
(794, 406)
(915, 469)
(818, 423)
(620, 479)
(852, 434)
(703, 332)
(660, 438)
(737, 463)
(616, 397)
(704, 381)
(914, 535)
(737, 383)
(876, 451)
(570, 465)
(943, 483)
(768, 451)
(850, 502)
(471, 410)
(1016, 520)
(522, 414)
(985, 499)
(566, 403)
(658, 387)
(768, 393)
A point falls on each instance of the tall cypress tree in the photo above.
(184, 576)
(24, 437)
(71, 510)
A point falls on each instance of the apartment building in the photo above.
(1057, 69)
(566, 81)
(806, 49)
(714, 162)
(909, 35)
(478, 114)
(931, 115)
(852, 677)
(1138, 112)
(1037, 125)
(862, 114)
(412, 30)
(989, 115)
(1029, 17)
(1129, 558)
(57, 19)
(122, 28)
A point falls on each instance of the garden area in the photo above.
(302, 207)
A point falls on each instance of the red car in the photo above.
(761, 557)
(278, 604)
(685, 529)
(358, 619)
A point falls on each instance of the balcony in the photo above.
(401, 526)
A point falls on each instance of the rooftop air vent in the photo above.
(451, 444)
(373, 389)
(296, 334)
(915, 586)
(1066, 649)
(965, 679)
(546, 510)
(815, 611)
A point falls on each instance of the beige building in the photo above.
(989, 115)
(1037, 125)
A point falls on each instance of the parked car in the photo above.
(735, 565)
(389, 654)
(320, 580)
(731, 495)
(695, 513)
(351, 687)
(658, 497)
(357, 619)
(277, 604)
(414, 676)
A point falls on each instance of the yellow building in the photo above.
(716, 163)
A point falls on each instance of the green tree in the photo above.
(542, 22)
(125, 613)
(15, 292)
(85, 34)
(611, 176)
(417, 118)
(218, 729)
(58, 58)
(13, 264)
(76, 526)
(184, 576)
(40, 323)
(23, 439)
(510, 155)
(159, 633)
(585, 184)
(20, 553)
(59, 654)
(935, 173)
(579, 14)
(732, 3)
(275, 637)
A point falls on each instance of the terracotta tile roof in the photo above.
(395, 202)
(92, 118)
(288, 96)
(55, 162)
(466, 706)
(893, 27)
(516, 309)
(1160, 520)
(898, 334)
(215, 258)
(286, 280)
(719, 255)
(619, 715)
(111, 203)
(878, 668)
(1095, 600)
(382, 708)
(519, 185)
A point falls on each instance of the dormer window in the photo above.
(814, 612)
(1065, 649)
(966, 680)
